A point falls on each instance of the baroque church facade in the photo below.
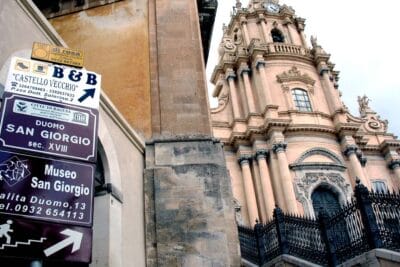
(174, 179)
(289, 140)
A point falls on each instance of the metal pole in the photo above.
(36, 263)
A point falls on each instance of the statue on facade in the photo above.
(314, 41)
(363, 105)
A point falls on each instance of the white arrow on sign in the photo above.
(74, 237)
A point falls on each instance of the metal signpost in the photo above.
(46, 204)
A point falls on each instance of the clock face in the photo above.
(271, 7)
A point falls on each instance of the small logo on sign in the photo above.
(14, 170)
(40, 69)
(22, 65)
(80, 117)
(20, 106)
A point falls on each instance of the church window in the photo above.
(277, 36)
(301, 100)
(379, 186)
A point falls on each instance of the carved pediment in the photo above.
(294, 75)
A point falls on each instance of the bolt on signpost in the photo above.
(48, 148)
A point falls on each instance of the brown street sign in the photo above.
(24, 238)
(57, 54)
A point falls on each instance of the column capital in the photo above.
(261, 18)
(259, 62)
(393, 164)
(350, 149)
(244, 159)
(230, 74)
(243, 69)
(243, 20)
(322, 68)
(261, 154)
(279, 147)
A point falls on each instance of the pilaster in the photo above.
(251, 201)
(269, 200)
(286, 184)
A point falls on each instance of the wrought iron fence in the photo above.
(371, 220)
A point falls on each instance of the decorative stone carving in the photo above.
(294, 75)
(245, 159)
(261, 154)
(238, 213)
(363, 105)
(337, 163)
(372, 122)
(350, 149)
(394, 164)
(279, 147)
(305, 185)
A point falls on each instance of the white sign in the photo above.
(54, 82)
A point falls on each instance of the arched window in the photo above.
(301, 100)
(327, 200)
(277, 36)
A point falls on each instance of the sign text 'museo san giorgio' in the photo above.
(53, 82)
(45, 189)
(45, 127)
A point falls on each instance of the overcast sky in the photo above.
(362, 37)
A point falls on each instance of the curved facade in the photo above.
(280, 116)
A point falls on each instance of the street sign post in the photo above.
(46, 189)
(53, 82)
(51, 110)
(30, 239)
(46, 127)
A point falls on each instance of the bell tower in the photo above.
(281, 119)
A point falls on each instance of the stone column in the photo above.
(286, 179)
(260, 65)
(331, 93)
(269, 200)
(244, 71)
(243, 22)
(300, 27)
(289, 30)
(351, 153)
(230, 77)
(267, 38)
(251, 201)
(395, 166)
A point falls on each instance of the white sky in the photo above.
(362, 37)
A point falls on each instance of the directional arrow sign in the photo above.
(54, 82)
(74, 238)
(88, 92)
(38, 240)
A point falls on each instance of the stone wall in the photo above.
(189, 205)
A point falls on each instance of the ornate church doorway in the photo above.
(327, 200)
